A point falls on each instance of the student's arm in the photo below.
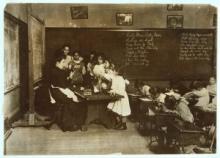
(200, 93)
(165, 109)
(83, 69)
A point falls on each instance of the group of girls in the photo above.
(101, 75)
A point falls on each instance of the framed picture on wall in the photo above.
(174, 21)
(79, 12)
(174, 7)
(124, 19)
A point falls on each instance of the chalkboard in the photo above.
(37, 42)
(11, 54)
(146, 53)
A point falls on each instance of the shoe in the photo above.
(74, 128)
(83, 128)
(122, 127)
(48, 126)
(118, 125)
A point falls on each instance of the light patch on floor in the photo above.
(97, 140)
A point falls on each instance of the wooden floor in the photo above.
(97, 140)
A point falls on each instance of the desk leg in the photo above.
(92, 113)
(151, 131)
(181, 145)
(84, 127)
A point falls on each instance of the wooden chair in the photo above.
(184, 134)
(159, 124)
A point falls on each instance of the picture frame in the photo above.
(174, 21)
(174, 7)
(124, 19)
(79, 12)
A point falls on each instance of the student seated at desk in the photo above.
(211, 87)
(211, 107)
(121, 107)
(143, 88)
(157, 95)
(179, 105)
(73, 113)
(200, 92)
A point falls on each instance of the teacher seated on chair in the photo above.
(73, 111)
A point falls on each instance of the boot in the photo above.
(118, 125)
(122, 127)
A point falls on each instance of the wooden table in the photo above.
(97, 107)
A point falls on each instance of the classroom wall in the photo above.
(17, 10)
(145, 15)
(104, 16)
(12, 99)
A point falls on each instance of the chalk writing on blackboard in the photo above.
(196, 46)
(138, 47)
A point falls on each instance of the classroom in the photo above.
(109, 79)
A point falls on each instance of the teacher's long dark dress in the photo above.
(73, 113)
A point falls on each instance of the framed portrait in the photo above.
(174, 7)
(174, 21)
(124, 19)
(79, 12)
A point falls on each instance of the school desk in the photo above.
(204, 117)
(156, 119)
(97, 108)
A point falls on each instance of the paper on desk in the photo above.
(133, 95)
(145, 99)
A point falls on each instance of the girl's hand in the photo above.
(112, 93)
(71, 74)
(70, 66)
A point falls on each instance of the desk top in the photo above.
(204, 110)
(134, 95)
(98, 96)
(145, 99)
(186, 127)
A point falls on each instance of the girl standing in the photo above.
(121, 107)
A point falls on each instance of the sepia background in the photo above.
(48, 27)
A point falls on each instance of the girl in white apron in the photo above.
(121, 107)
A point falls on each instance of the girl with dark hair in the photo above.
(73, 113)
(66, 52)
(77, 69)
